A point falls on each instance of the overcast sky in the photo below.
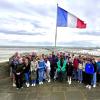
(33, 23)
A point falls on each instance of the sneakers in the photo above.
(70, 82)
(80, 82)
(33, 84)
(27, 84)
(49, 81)
(14, 85)
(94, 86)
(88, 86)
(40, 83)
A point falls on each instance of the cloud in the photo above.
(19, 32)
(5, 5)
(26, 7)
(33, 22)
(27, 38)
(22, 26)
(93, 33)
(23, 43)
(77, 44)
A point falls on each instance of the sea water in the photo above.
(7, 52)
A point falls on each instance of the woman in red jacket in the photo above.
(75, 65)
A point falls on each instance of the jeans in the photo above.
(80, 75)
(33, 81)
(27, 77)
(94, 79)
(41, 75)
(75, 73)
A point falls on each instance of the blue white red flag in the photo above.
(66, 19)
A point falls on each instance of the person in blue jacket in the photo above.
(89, 70)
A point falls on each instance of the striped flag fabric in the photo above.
(66, 19)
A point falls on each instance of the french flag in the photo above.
(66, 19)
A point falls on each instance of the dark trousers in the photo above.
(52, 73)
(98, 77)
(89, 78)
(84, 78)
(37, 81)
(19, 81)
(61, 75)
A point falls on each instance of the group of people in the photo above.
(36, 69)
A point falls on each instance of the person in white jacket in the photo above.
(48, 69)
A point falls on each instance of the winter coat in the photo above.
(69, 69)
(63, 67)
(89, 68)
(75, 63)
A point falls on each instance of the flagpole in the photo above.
(56, 37)
(56, 29)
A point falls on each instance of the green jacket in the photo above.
(63, 68)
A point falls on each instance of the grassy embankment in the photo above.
(4, 70)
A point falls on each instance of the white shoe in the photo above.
(89, 87)
(14, 85)
(49, 81)
(28, 84)
(39, 83)
(32, 85)
(94, 86)
(78, 81)
(69, 82)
